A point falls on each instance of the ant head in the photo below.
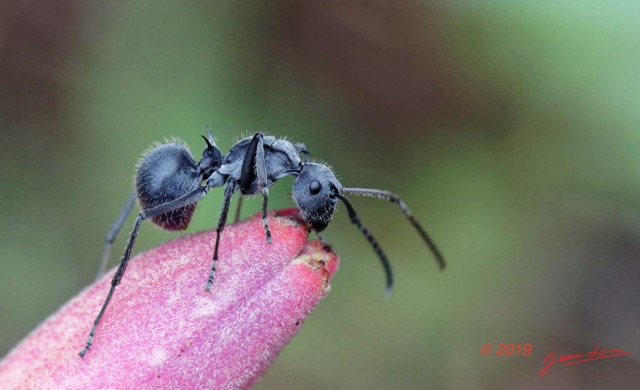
(211, 156)
(315, 192)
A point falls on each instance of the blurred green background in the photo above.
(510, 128)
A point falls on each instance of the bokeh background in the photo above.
(510, 128)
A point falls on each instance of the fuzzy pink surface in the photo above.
(162, 330)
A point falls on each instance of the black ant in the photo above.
(169, 183)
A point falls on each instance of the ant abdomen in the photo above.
(166, 173)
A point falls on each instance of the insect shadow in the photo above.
(169, 183)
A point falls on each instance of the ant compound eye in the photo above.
(314, 187)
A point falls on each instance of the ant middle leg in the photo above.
(228, 193)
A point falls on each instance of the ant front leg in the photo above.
(325, 243)
(302, 148)
(238, 208)
(254, 167)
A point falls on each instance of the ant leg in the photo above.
(322, 239)
(113, 232)
(261, 173)
(393, 198)
(238, 207)
(376, 247)
(184, 200)
(302, 148)
(114, 282)
(254, 166)
(228, 193)
(324, 242)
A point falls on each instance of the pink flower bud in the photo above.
(162, 330)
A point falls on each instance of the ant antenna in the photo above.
(374, 243)
(393, 198)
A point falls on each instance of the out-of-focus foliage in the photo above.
(510, 128)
